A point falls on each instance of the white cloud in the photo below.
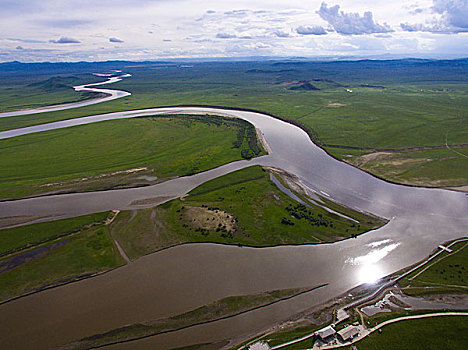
(65, 40)
(316, 30)
(281, 34)
(351, 23)
(454, 13)
(185, 28)
(452, 18)
(225, 36)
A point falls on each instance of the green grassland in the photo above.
(45, 254)
(216, 310)
(243, 207)
(38, 91)
(52, 253)
(449, 332)
(447, 274)
(288, 334)
(118, 153)
(393, 105)
(22, 237)
(418, 167)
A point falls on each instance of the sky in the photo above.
(91, 30)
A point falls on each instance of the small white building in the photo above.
(260, 345)
(341, 315)
(348, 333)
(326, 334)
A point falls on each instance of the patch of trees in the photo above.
(210, 208)
(300, 211)
(286, 221)
(246, 131)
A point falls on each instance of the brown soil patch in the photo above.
(286, 83)
(151, 201)
(262, 141)
(376, 156)
(209, 219)
(335, 104)
(96, 177)
(9, 221)
(291, 180)
(459, 188)
(398, 162)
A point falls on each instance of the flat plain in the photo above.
(408, 109)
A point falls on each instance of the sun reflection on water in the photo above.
(369, 274)
(369, 270)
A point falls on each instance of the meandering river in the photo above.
(110, 95)
(188, 276)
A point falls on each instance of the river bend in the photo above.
(188, 276)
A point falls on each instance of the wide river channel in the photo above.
(182, 278)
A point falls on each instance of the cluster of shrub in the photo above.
(300, 211)
(210, 208)
(205, 232)
(460, 271)
(246, 130)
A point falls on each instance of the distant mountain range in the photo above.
(283, 70)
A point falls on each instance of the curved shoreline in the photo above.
(262, 306)
(420, 218)
(228, 108)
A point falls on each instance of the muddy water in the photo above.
(182, 278)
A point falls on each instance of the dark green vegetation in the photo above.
(118, 153)
(449, 332)
(219, 309)
(52, 253)
(37, 90)
(448, 273)
(394, 105)
(22, 237)
(243, 207)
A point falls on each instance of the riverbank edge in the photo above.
(343, 303)
(315, 142)
(292, 122)
(78, 278)
(213, 320)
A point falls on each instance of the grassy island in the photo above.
(121, 153)
(244, 207)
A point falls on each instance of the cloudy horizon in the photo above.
(52, 30)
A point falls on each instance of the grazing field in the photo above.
(286, 335)
(21, 237)
(38, 90)
(449, 332)
(448, 273)
(216, 310)
(121, 153)
(243, 207)
(370, 106)
(47, 254)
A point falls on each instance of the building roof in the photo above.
(260, 345)
(341, 315)
(325, 332)
(348, 332)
